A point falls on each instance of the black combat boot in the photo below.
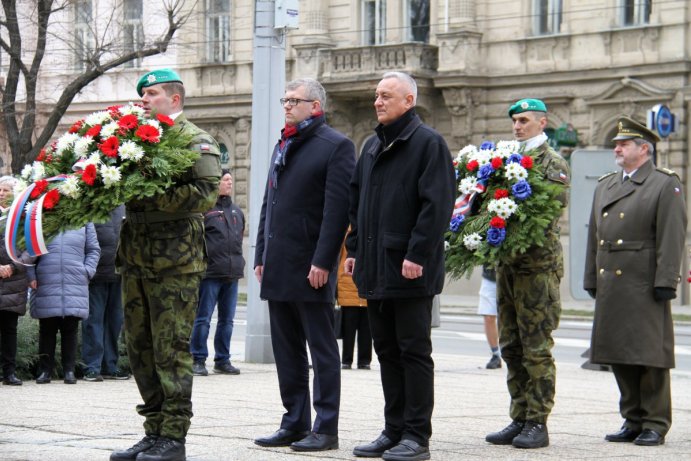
(533, 435)
(164, 449)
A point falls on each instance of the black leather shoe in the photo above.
(12, 380)
(506, 435)
(316, 442)
(376, 448)
(164, 449)
(281, 438)
(364, 366)
(43, 378)
(533, 435)
(132, 452)
(70, 378)
(625, 434)
(649, 438)
(226, 369)
(346, 366)
(406, 450)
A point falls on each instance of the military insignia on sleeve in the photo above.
(205, 147)
(562, 176)
(677, 191)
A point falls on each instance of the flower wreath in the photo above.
(104, 160)
(505, 207)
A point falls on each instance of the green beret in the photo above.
(155, 77)
(527, 105)
(628, 128)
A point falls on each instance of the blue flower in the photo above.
(485, 172)
(514, 158)
(495, 236)
(521, 190)
(487, 145)
(456, 222)
(457, 174)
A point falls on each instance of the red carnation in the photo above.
(527, 162)
(41, 155)
(52, 199)
(110, 146)
(472, 165)
(497, 222)
(497, 163)
(165, 119)
(89, 174)
(501, 193)
(114, 111)
(128, 122)
(39, 188)
(148, 133)
(93, 131)
(76, 126)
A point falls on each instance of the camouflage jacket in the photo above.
(164, 235)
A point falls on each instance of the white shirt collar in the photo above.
(625, 174)
(175, 115)
(534, 142)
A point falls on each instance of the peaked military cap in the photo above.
(527, 105)
(155, 77)
(628, 128)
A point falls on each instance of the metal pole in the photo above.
(267, 88)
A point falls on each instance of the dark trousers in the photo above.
(8, 341)
(47, 339)
(101, 331)
(292, 325)
(401, 330)
(356, 321)
(646, 397)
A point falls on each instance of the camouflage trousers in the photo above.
(528, 308)
(159, 314)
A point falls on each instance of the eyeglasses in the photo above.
(293, 101)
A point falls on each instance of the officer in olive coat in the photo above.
(635, 245)
(162, 259)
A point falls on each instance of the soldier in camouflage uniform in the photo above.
(162, 259)
(528, 301)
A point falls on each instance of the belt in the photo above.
(152, 217)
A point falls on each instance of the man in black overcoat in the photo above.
(402, 195)
(301, 228)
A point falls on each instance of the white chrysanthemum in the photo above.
(26, 172)
(109, 129)
(94, 159)
(97, 118)
(503, 207)
(70, 187)
(81, 146)
(20, 186)
(129, 150)
(38, 171)
(467, 150)
(131, 108)
(482, 156)
(65, 142)
(110, 175)
(447, 245)
(472, 241)
(154, 123)
(506, 148)
(514, 171)
(467, 185)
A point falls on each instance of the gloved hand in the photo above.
(664, 293)
(592, 292)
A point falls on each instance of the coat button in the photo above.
(620, 241)
(369, 238)
(618, 272)
(602, 242)
(605, 214)
(271, 235)
(602, 271)
(621, 215)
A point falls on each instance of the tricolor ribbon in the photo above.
(464, 203)
(33, 223)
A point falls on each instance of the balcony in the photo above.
(347, 64)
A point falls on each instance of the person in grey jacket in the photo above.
(59, 296)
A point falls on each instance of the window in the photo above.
(547, 14)
(218, 30)
(83, 37)
(373, 22)
(417, 17)
(132, 31)
(635, 12)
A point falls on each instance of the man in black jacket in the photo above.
(301, 228)
(224, 226)
(401, 199)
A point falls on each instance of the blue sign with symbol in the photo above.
(664, 121)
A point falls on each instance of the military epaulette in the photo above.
(606, 175)
(667, 171)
